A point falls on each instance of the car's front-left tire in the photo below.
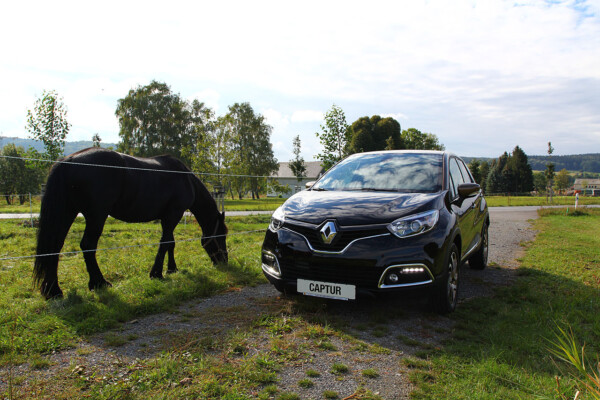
(445, 293)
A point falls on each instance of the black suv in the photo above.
(380, 222)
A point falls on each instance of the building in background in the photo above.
(286, 177)
(587, 187)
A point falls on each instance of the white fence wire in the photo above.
(31, 214)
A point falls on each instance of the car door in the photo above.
(475, 208)
(462, 208)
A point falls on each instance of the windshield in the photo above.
(395, 172)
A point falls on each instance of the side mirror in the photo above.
(468, 189)
(310, 184)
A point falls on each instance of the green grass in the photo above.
(262, 204)
(305, 383)
(500, 346)
(17, 208)
(30, 325)
(370, 373)
(339, 368)
(271, 203)
(511, 201)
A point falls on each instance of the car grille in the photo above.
(343, 238)
(361, 273)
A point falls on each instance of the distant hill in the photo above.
(70, 147)
(575, 162)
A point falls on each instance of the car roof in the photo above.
(440, 152)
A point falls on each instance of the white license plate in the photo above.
(327, 289)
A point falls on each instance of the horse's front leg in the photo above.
(167, 244)
(89, 243)
(157, 268)
(172, 266)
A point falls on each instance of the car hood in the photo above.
(358, 208)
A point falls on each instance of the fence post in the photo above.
(30, 210)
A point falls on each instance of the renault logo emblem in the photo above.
(328, 232)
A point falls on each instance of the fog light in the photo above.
(393, 278)
(270, 264)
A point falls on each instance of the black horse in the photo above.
(98, 183)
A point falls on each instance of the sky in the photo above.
(483, 76)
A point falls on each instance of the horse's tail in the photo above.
(54, 223)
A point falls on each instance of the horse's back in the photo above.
(129, 188)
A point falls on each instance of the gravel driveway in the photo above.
(396, 328)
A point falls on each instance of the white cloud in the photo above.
(307, 116)
(275, 118)
(397, 116)
(493, 68)
(210, 97)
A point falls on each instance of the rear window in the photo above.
(394, 172)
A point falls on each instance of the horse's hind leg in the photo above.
(167, 244)
(171, 266)
(94, 224)
(49, 263)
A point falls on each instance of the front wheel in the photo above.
(479, 260)
(445, 293)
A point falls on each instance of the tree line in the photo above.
(233, 150)
(581, 162)
(153, 121)
(511, 173)
(340, 139)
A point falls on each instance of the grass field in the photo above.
(262, 204)
(31, 326)
(271, 203)
(511, 201)
(500, 346)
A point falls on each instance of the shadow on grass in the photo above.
(105, 309)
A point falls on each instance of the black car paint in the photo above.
(460, 221)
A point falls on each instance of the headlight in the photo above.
(277, 220)
(414, 224)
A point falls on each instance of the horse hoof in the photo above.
(53, 296)
(156, 276)
(51, 291)
(171, 271)
(99, 285)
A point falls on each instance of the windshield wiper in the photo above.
(377, 190)
(319, 189)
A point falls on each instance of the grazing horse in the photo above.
(97, 183)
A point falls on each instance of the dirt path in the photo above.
(380, 333)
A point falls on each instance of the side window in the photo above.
(465, 172)
(456, 177)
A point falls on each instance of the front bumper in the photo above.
(374, 264)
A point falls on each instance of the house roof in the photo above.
(579, 181)
(313, 169)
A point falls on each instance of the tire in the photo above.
(445, 293)
(479, 260)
